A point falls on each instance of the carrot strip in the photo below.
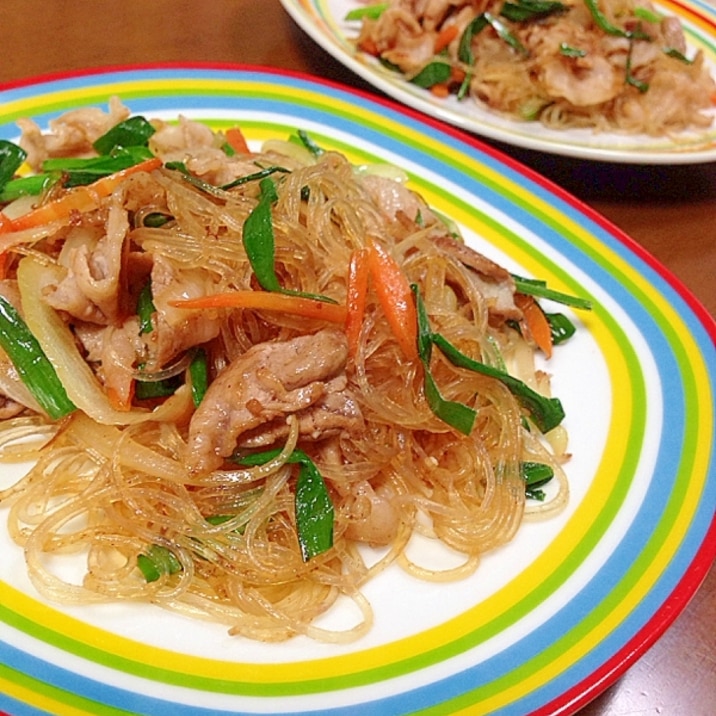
(357, 294)
(441, 90)
(536, 322)
(395, 298)
(269, 301)
(236, 140)
(81, 198)
(444, 38)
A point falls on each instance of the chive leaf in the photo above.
(312, 503)
(157, 561)
(132, 132)
(11, 158)
(31, 363)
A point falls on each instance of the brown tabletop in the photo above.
(669, 211)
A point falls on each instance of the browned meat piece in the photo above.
(494, 282)
(249, 401)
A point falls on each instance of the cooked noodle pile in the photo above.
(615, 65)
(197, 508)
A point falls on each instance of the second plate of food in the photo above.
(572, 67)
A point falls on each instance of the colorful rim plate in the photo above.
(323, 21)
(548, 621)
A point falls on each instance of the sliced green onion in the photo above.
(433, 73)
(132, 132)
(157, 561)
(31, 363)
(535, 475)
(630, 79)
(525, 10)
(306, 141)
(677, 55)
(156, 219)
(369, 11)
(647, 14)
(258, 240)
(11, 158)
(199, 374)
(569, 51)
(539, 289)
(255, 176)
(151, 389)
(313, 506)
(546, 413)
(33, 185)
(601, 21)
(561, 327)
(458, 415)
(146, 309)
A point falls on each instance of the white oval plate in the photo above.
(323, 21)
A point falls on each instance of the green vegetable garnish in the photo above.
(546, 413)
(312, 503)
(601, 21)
(433, 73)
(306, 141)
(157, 561)
(28, 186)
(11, 158)
(569, 51)
(258, 240)
(199, 374)
(371, 11)
(525, 10)
(535, 475)
(539, 289)
(31, 363)
(81, 171)
(145, 309)
(132, 132)
(562, 328)
(630, 79)
(458, 415)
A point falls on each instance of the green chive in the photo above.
(11, 158)
(539, 289)
(132, 132)
(370, 11)
(433, 73)
(199, 374)
(312, 503)
(146, 309)
(157, 561)
(31, 363)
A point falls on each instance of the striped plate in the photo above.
(549, 620)
(324, 21)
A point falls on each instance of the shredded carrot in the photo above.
(357, 293)
(81, 198)
(120, 401)
(269, 301)
(236, 140)
(369, 47)
(395, 298)
(4, 261)
(444, 38)
(536, 322)
(441, 90)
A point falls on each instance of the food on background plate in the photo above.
(609, 65)
(245, 378)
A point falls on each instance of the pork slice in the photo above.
(493, 281)
(254, 395)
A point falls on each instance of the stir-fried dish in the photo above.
(244, 379)
(609, 65)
